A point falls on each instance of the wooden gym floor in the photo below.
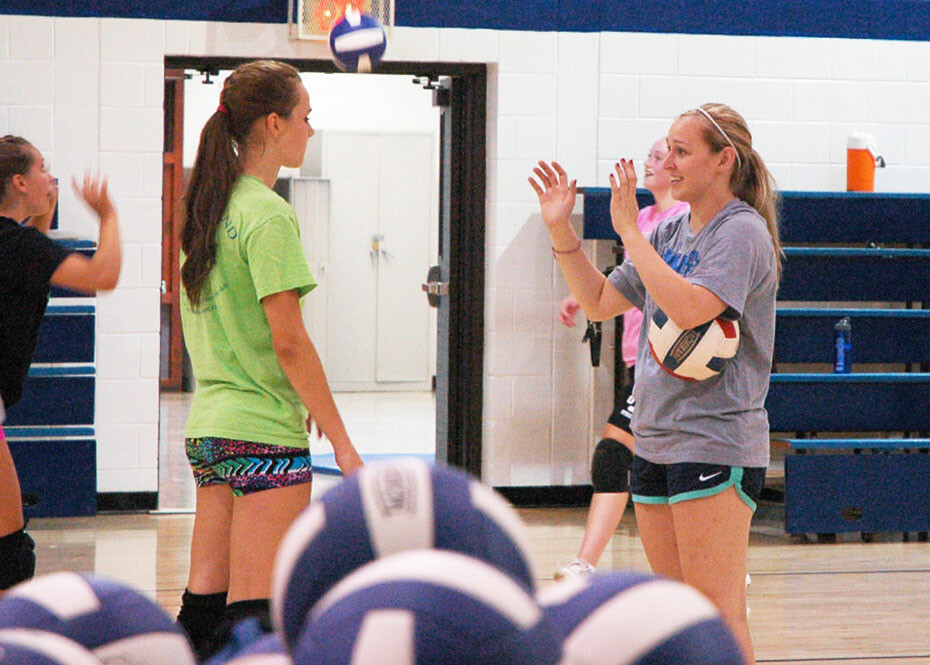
(847, 602)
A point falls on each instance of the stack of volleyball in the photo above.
(423, 563)
(113, 623)
(409, 564)
(637, 619)
(36, 647)
(357, 41)
(695, 354)
(427, 607)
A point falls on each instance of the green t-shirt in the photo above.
(242, 392)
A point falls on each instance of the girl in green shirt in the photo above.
(260, 383)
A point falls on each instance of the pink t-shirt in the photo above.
(648, 219)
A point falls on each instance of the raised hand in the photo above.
(556, 194)
(623, 206)
(93, 191)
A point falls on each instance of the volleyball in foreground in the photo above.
(268, 650)
(695, 354)
(637, 619)
(357, 41)
(384, 509)
(118, 624)
(427, 607)
(23, 646)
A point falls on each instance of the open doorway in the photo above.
(370, 238)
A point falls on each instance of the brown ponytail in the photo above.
(750, 180)
(253, 91)
(17, 156)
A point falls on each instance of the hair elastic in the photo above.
(225, 111)
(739, 162)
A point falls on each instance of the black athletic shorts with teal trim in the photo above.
(672, 483)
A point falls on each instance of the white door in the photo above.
(310, 200)
(350, 163)
(377, 324)
(403, 344)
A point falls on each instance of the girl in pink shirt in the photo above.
(613, 455)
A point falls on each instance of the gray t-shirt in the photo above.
(721, 420)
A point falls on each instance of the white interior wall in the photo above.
(88, 93)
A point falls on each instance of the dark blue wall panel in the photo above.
(254, 11)
(496, 14)
(61, 474)
(875, 19)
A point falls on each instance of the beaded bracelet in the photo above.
(557, 252)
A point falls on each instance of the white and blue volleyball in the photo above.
(268, 650)
(118, 624)
(627, 618)
(357, 41)
(23, 646)
(427, 607)
(384, 509)
(250, 643)
(695, 354)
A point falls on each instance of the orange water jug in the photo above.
(861, 159)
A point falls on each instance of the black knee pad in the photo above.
(17, 558)
(610, 467)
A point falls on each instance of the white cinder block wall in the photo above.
(88, 92)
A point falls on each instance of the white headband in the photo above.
(707, 115)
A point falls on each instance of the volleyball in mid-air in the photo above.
(357, 41)
(388, 508)
(695, 354)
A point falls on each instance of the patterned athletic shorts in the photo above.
(245, 466)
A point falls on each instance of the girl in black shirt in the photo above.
(29, 262)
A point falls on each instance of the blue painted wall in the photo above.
(875, 19)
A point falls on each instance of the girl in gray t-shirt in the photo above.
(701, 446)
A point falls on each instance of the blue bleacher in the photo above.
(805, 335)
(868, 471)
(859, 481)
(853, 274)
(51, 430)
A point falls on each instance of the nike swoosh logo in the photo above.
(704, 478)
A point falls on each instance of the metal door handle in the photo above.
(434, 286)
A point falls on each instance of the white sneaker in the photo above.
(576, 567)
(748, 579)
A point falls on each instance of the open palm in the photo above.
(624, 208)
(556, 193)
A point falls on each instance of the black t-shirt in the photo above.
(28, 258)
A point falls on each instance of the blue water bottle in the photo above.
(843, 362)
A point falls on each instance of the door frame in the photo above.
(468, 171)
